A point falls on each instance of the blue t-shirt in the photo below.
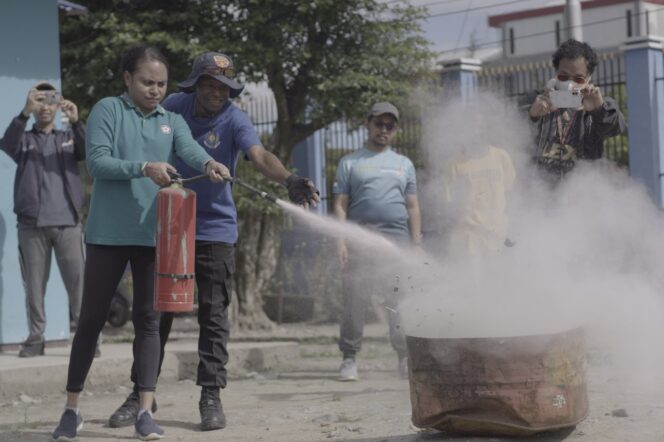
(223, 136)
(377, 184)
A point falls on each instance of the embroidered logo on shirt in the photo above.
(68, 143)
(166, 129)
(211, 140)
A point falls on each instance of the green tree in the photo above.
(323, 60)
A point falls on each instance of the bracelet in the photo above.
(143, 167)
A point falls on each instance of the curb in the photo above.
(47, 375)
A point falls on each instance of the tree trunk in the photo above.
(256, 262)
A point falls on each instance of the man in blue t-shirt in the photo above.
(225, 132)
(374, 187)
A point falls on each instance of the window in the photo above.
(511, 40)
(628, 17)
(557, 33)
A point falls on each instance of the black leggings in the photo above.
(104, 267)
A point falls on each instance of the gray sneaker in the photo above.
(348, 370)
(70, 424)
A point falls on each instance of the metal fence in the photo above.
(338, 138)
(516, 79)
(513, 79)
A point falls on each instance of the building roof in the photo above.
(71, 8)
(496, 20)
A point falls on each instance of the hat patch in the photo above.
(221, 61)
(165, 129)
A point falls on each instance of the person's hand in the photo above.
(342, 253)
(541, 106)
(592, 98)
(159, 173)
(70, 110)
(33, 102)
(302, 191)
(216, 171)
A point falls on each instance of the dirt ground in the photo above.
(304, 402)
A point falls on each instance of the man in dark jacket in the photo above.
(48, 202)
(567, 132)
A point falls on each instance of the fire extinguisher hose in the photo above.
(239, 182)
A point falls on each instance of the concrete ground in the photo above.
(283, 390)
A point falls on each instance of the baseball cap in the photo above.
(216, 65)
(383, 107)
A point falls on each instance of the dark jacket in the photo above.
(586, 136)
(23, 147)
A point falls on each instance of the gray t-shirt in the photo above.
(377, 184)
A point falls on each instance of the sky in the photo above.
(468, 19)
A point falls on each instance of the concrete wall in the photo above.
(29, 50)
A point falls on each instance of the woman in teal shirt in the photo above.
(130, 144)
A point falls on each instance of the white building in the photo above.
(606, 24)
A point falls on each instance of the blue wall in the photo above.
(29, 50)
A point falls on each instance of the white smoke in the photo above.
(588, 252)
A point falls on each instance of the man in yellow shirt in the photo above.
(476, 185)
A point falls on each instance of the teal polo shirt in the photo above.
(118, 141)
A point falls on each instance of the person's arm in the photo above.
(99, 147)
(340, 207)
(10, 143)
(77, 127)
(414, 219)
(301, 191)
(413, 205)
(608, 121)
(268, 164)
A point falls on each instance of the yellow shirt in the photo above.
(476, 189)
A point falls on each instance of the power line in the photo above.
(537, 34)
(477, 8)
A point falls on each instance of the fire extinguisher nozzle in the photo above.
(270, 198)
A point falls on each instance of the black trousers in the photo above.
(215, 265)
(104, 267)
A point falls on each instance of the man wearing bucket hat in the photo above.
(224, 131)
(48, 202)
(374, 187)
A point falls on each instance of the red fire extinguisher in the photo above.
(176, 249)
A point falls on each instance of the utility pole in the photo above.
(641, 26)
(573, 23)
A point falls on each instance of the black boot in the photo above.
(30, 350)
(126, 414)
(212, 414)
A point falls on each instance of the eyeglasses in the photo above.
(226, 72)
(380, 125)
(579, 79)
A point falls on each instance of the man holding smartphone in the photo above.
(48, 202)
(573, 118)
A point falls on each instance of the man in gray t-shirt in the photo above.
(374, 187)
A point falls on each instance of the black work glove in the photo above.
(301, 190)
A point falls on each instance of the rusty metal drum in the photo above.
(512, 386)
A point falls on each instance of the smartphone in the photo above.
(566, 99)
(51, 97)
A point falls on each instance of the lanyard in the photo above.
(561, 133)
